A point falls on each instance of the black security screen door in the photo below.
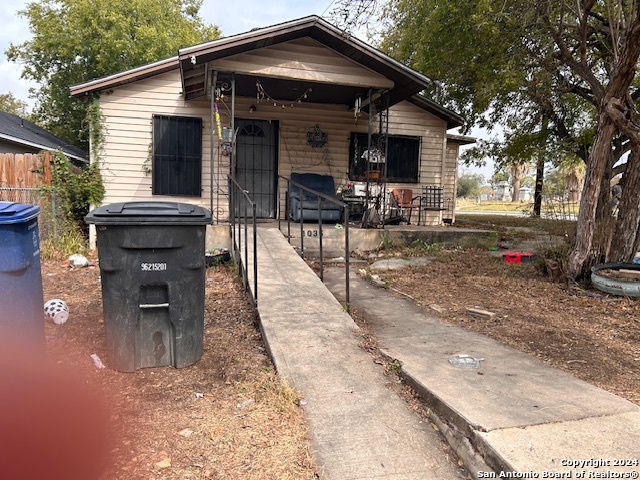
(256, 163)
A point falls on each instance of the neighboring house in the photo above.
(301, 96)
(19, 136)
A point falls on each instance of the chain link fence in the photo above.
(51, 221)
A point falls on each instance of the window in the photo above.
(402, 157)
(177, 156)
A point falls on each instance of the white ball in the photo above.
(56, 311)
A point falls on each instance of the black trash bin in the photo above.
(152, 266)
(21, 298)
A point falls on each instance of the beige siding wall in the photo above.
(128, 113)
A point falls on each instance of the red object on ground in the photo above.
(517, 257)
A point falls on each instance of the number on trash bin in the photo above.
(153, 267)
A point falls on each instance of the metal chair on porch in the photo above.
(406, 202)
(433, 200)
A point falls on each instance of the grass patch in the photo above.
(472, 205)
(561, 228)
(63, 245)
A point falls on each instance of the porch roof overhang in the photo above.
(197, 61)
(460, 139)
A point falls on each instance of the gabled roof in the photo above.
(406, 80)
(22, 132)
(195, 63)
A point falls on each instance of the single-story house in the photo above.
(301, 96)
(20, 136)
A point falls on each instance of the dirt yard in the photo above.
(226, 417)
(594, 336)
(229, 416)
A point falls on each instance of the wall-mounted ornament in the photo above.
(316, 138)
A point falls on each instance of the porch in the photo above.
(368, 239)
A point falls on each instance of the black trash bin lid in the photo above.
(11, 212)
(149, 213)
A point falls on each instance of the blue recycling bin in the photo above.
(21, 297)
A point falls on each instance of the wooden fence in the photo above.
(29, 170)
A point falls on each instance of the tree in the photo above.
(498, 176)
(469, 185)
(558, 73)
(79, 40)
(11, 104)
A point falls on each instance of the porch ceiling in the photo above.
(285, 91)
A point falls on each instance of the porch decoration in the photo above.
(217, 117)
(263, 95)
(316, 138)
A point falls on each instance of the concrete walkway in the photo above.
(360, 429)
(519, 414)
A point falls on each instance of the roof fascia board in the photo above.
(373, 52)
(41, 147)
(127, 76)
(452, 118)
(461, 139)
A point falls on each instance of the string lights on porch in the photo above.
(263, 95)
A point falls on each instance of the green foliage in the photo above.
(74, 41)
(394, 366)
(75, 191)
(420, 246)
(97, 130)
(469, 185)
(65, 243)
(499, 176)
(387, 242)
(497, 63)
(11, 104)
(480, 242)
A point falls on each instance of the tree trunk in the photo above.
(517, 172)
(625, 239)
(537, 196)
(596, 167)
(516, 189)
(605, 222)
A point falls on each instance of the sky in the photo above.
(232, 17)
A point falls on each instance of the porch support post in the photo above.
(233, 124)
(369, 127)
(211, 148)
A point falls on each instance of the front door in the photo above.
(256, 163)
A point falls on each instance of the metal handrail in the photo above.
(239, 201)
(319, 195)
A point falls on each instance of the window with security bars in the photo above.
(177, 156)
(402, 156)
